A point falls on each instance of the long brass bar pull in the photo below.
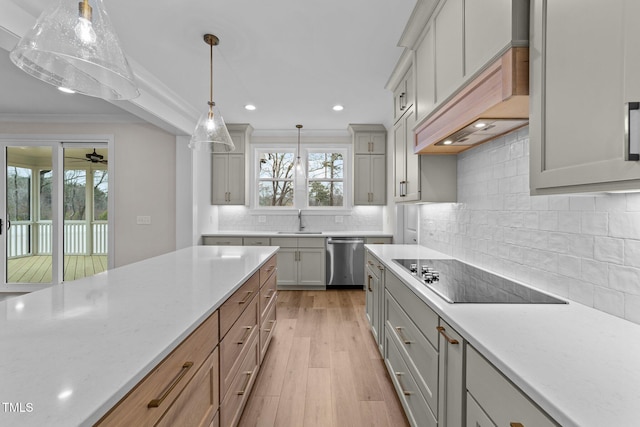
(245, 299)
(246, 383)
(246, 334)
(447, 337)
(516, 424)
(401, 334)
(183, 371)
(271, 322)
(404, 391)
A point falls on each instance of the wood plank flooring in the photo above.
(37, 269)
(323, 367)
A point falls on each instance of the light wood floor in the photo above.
(323, 367)
(37, 269)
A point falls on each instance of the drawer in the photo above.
(268, 268)
(415, 406)
(235, 344)
(267, 294)
(420, 356)
(267, 327)
(216, 420)
(231, 309)
(475, 415)
(311, 242)
(424, 317)
(285, 242)
(256, 241)
(377, 240)
(199, 401)
(222, 241)
(240, 388)
(374, 265)
(503, 402)
(173, 370)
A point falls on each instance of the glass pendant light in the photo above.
(73, 46)
(300, 169)
(211, 130)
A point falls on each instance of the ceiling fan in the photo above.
(92, 157)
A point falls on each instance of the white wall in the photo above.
(582, 247)
(144, 183)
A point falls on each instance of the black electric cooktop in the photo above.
(458, 282)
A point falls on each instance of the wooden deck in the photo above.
(37, 269)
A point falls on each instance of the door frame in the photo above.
(58, 142)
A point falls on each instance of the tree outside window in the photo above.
(275, 179)
(326, 179)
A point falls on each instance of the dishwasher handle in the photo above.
(344, 241)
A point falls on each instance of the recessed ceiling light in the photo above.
(480, 125)
(250, 107)
(447, 142)
(338, 108)
(66, 90)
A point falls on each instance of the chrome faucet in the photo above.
(300, 226)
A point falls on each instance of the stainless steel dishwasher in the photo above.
(345, 262)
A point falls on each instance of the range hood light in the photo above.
(480, 125)
(447, 142)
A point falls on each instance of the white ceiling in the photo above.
(293, 59)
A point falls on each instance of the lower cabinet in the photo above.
(301, 262)
(451, 388)
(374, 276)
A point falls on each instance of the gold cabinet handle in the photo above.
(401, 334)
(183, 371)
(381, 268)
(404, 391)
(246, 298)
(516, 425)
(270, 294)
(246, 335)
(272, 323)
(449, 339)
(246, 383)
(369, 262)
(369, 277)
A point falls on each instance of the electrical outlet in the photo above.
(143, 220)
(262, 218)
(339, 219)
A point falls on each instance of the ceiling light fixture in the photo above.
(76, 47)
(66, 90)
(338, 108)
(210, 129)
(250, 107)
(300, 170)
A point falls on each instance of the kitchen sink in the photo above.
(299, 232)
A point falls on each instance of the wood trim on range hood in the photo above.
(501, 91)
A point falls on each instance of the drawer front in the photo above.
(311, 242)
(285, 242)
(377, 240)
(222, 241)
(216, 420)
(374, 265)
(267, 294)
(267, 327)
(503, 402)
(420, 356)
(173, 370)
(240, 388)
(231, 309)
(199, 401)
(475, 415)
(424, 317)
(268, 269)
(256, 241)
(410, 396)
(235, 344)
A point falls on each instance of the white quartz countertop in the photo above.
(303, 234)
(582, 366)
(70, 352)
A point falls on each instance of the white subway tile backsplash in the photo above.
(583, 247)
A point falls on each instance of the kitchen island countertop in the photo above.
(581, 365)
(72, 351)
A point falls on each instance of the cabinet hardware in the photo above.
(246, 383)
(381, 268)
(369, 277)
(632, 131)
(370, 146)
(447, 337)
(183, 371)
(246, 298)
(405, 392)
(402, 104)
(401, 335)
(369, 262)
(270, 294)
(247, 332)
(516, 424)
(403, 189)
(271, 322)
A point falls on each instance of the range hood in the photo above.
(494, 103)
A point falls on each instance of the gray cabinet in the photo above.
(406, 186)
(369, 164)
(301, 262)
(449, 26)
(451, 387)
(375, 279)
(584, 80)
(228, 169)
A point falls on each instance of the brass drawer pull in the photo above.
(449, 339)
(401, 335)
(381, 268)
(246, 334)
(271, 322)
(516, 424)
(246, 383)
(271, 267)
(249, 293)
(404, 391)
(183, 371)
(270, 294)
(369, 262)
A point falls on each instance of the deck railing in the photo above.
(22, 241)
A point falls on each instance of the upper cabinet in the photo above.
(369, 161)
(228, 168)
(585, 84)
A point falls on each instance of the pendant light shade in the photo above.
(300, 169)
(211, 132)
(73, 46)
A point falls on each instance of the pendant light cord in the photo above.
(211, 74)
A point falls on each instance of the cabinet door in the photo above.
(369, 300)
(451, 388)
(287, 266)
(449, 65)
(577, 131)
(311, 267)
(487, 30)
(378, 179)
(425, 70)
(412, 162)
(378, 143)
(219, 175)
(399, 160)
(235, 180)
(362, 179)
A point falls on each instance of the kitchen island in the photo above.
(578, 364)
(73, 351)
